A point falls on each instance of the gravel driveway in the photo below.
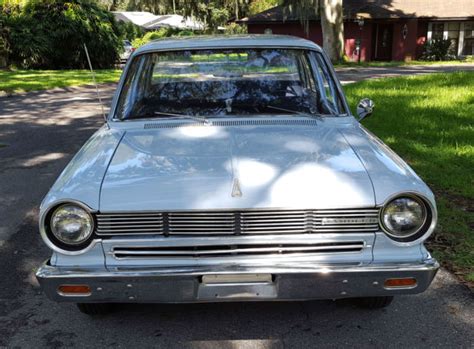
(41, 131)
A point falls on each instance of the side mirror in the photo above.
(365, 108)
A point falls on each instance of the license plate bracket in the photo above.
(237, 286)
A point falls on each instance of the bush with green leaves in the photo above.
(129, 31)
(50, 34)
(234, 28)
(438, 50)
(4, 49)
(160, 34)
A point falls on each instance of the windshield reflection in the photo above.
(218, 83)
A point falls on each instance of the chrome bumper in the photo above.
(187, 285)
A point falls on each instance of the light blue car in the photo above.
(231, 169)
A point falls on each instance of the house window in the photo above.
(453, 34)
(468, 45)
(437, 31)
(461, 35)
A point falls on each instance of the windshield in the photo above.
(223, 83)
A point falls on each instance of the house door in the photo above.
(383, 42)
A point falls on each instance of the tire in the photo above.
(94, 308)
(374, 302)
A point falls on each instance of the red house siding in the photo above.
(408, 48)
(421, 37)
(352, 33)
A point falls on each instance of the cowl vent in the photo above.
(225, 123)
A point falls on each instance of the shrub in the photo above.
(4, 49)
(160, 34)
(438, 50)
(50, 34)
(129, 31)
(234, 28)
(185, 33)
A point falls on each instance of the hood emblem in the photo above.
(236, 192)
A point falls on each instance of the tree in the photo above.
(257, 6)
(332, 25)
(215, 13)
(50, 34)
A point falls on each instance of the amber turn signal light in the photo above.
(74, 290)
(404, 282)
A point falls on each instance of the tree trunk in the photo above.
(332, 26)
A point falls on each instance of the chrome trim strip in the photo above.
(241, 250)
(48, 271)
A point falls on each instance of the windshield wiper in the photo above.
(294, 112)
(186, 116)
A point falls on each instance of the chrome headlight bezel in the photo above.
(423, 231)
(62, 246)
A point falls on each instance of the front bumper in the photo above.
(187, 285)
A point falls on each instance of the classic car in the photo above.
(232, 169)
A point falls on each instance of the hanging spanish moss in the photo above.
(304, 10)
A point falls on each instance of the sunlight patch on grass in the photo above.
(30, 80)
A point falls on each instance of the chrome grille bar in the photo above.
(207, 251)
(238, 222)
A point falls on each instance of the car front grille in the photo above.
(237, 250)
(237, 222)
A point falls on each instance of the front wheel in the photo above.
(374, 302)
(94, 308)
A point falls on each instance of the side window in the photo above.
(330, 99)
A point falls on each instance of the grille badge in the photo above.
(358, 220)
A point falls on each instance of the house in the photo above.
(385, 29)
(149, 21)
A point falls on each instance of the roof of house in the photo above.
(174, 21)
(148, 20)
(227, 41)
(139, 18)
(381, 9)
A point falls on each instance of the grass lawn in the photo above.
(12, 81)
(399, 63)
(429, 121)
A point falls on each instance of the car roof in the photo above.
(228, 41)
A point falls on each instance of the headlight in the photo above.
(71, 224)
(404, 217)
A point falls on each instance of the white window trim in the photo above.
(445, 31)
(430, 32)
(461, 39)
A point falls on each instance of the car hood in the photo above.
(238, 167)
